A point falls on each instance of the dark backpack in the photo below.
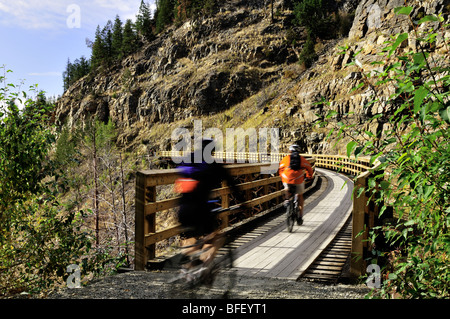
(295, 161)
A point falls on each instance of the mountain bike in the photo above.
(193, 272)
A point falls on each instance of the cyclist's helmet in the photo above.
(294, 148)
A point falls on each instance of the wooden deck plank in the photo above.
(310, 247)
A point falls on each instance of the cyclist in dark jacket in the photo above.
(195, 184)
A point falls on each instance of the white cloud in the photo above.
(45, 74)
(3, 7)
(53, 14)
(119, 5)
(32, 14)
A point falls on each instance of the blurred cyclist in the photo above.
(197, 181)
(292, 171)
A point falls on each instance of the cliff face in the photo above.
(198, 68)
(238, 69)
(331, 79)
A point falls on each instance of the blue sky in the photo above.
(38, 36)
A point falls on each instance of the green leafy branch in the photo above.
(413, 150)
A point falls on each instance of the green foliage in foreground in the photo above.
(413, 153)
(39, 238)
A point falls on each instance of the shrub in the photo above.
(312, 15)
(39, 237)
(308, 54)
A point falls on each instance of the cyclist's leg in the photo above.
(300, 200)
(210, 234)
(289, 191)
(286, 194)
(192, 231)
(211, 247)
(190, 244)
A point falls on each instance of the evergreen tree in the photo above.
(308, 54)
(117, 39)
(85, 66)
(164, 14)
(209, 6)
(67, 76)
(98, 50)
(80, 68)
(129, 39)
(144, 21)
(312, 15)
(75, 71)
(107, 41)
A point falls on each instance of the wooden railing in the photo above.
(263, 191)
(233, 157)
(340, 163)
(364, 218)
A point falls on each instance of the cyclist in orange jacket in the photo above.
(292, 170)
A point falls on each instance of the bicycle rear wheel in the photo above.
(290, 216)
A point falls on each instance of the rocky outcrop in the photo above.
(331, 79)
(197, 69)
(207, 66)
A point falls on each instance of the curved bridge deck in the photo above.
(271, 251)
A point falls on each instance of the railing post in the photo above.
(150, 222)
(248, 193)
(266, 192)
(139, 249)
(143, 225)
(358, 217)
(225, 204)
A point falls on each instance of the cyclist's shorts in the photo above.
(197, 219)
(299, 188)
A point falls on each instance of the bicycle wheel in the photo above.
(290, 216)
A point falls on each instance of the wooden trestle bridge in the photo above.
(268, 249)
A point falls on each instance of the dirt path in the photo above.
(153, 285)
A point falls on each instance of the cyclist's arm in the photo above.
(307, 166)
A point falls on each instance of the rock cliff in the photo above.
(198, 68)
(332, 79)
(239, 69)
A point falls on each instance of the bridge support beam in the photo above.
(366, 214)
(143, 224)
